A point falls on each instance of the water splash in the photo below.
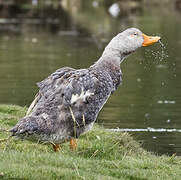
(157, 56)
(162, 45)
(163, 53)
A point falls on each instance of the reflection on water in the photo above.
(150, 94)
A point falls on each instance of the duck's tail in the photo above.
(27, 124)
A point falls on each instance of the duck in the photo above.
(69, 100)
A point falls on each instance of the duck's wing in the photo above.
(46, 84)
(85, 94)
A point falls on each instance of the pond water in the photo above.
(150, 96)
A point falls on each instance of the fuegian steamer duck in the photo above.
(69, 100)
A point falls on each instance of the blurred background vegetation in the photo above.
(78, 15)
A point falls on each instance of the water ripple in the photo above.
(149, 129)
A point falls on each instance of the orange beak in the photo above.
(149, 40)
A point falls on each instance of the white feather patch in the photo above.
(44, 115)
(83, 95)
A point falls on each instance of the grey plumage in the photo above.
(69, 100)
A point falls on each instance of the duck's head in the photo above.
(129, 40)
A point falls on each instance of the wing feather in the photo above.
(47, 84)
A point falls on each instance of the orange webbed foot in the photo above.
(73, 144)
(56, 147)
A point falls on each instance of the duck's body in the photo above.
(69, 100)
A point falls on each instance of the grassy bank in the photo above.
(100, 155)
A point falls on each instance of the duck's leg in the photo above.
(73, 144)
(56, 147)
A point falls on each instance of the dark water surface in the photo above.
(151, 92)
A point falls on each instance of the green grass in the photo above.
(101, 154)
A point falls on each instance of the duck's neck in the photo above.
(113, 54)
(110, 59)
(110, 62)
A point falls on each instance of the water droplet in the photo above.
(138, 80)
(95, 4)
(160, 102)
(162, 45)
(171, 144)
(34, 40)
(147, 115)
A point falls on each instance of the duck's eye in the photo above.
(135, 34)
